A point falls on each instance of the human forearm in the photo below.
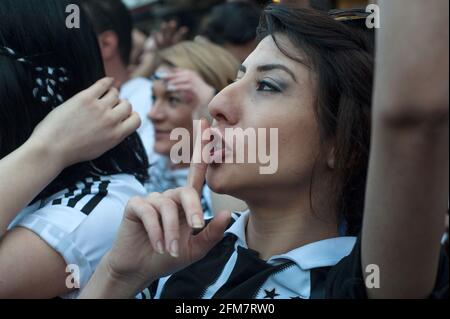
(407, 189)
(105, 285)
(23, 174)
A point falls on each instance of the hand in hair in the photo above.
(156, 239)
(81, 129)
(191, 82)
(168, 35)
(87, 125)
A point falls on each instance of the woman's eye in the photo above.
(174, 100)
(267, 87)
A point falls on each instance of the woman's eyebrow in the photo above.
(269, 67)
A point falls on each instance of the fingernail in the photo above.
(161, 75)
(160, 247)
(174, 250)
(196, 221)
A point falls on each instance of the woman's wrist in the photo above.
(41, 151)
(33, 158)
(107, 284)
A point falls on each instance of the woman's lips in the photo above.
(217, 155)
(220, 150)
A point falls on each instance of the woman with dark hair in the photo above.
(311, 78)
(74, 219)
(41, 158)
(233, 26)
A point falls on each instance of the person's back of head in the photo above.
(356, 20)
(113, 16)
(215, 65)
(233, 25)
(43, 64)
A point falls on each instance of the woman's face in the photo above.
(170, 110)
(271, 91)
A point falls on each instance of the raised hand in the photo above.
(191, 82)
(87, 125)
(156, 236)
(169, 34)
(81, 129)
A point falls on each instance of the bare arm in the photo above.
(23, 174)
(408, 183)
(29, 268)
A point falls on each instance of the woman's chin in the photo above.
(161, 149)
(225, 179)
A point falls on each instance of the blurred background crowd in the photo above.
(231, 24)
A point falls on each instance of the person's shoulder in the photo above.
(134, 86)
(86, 195)
(346, 279)
(81, 221)
(139, 81)
(138, 92)
(125, 183)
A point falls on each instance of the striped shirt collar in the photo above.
(323, 253)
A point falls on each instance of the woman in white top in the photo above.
(76, 200)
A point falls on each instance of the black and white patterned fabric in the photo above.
(81, 222)
(48, 80)
(329, 268)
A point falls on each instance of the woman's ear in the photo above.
(109, 45)
(331, 157)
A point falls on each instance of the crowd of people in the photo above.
(87, 179)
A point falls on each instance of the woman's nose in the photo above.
(225, 106)
(156, 112)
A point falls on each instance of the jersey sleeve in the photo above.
(83, 231)
(345, 280)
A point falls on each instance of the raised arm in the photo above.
(408, 183)
(66, 136)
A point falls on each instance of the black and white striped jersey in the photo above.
(325, 269)
(82, 222)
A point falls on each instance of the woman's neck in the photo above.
(278, 227)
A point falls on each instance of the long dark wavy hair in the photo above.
(341, 59)
(37, 29)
